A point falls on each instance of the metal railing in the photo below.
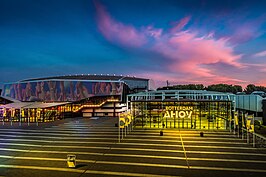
(257, 141)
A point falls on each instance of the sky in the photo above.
(179, 41)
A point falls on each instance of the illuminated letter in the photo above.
(172, 114)
(189, 113)
(166, 115)
(182, 114)
(38, 114)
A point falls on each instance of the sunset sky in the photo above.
(182, 41)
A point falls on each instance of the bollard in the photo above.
(71, 161)
(161, 133)
(201, 134)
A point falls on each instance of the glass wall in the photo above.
(31, 115)
(187, 115)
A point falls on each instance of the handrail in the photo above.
(257, 140)
(95, 105)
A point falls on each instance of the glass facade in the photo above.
(204, 114)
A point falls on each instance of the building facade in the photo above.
(188, 109)
(45, 99)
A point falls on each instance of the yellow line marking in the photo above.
(39, 158)
(20, 144)
(81, 126)
(81, 133)
(212, 138)
(175, 151)
(138, 164)
(141, 164)
(188, 137)
(139, 144)
(228, 169)
(227, 160)
(123, 155)
(128, 139)
(174, 141)
(142, 149)
(187, 134)
(60, 129)
(181, 166)
(41, 168)
(54, 146)
(176, 145)
(54, 137)
(64, 134)
(183, 130)
(135, 144)
(111, 130)
(82, 171)
(64, 142)
(107, 134)
(98, 142)
(184, 150)
(182, 158)
(55, 130)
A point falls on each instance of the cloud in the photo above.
(188, 54)
(153, 32)
(244, 33)
(180, 25)
(260, 54)
(246, 30)
(115, 31)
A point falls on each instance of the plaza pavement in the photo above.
(42, 150)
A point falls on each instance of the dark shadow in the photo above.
(80, 165)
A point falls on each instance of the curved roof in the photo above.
(88, 77)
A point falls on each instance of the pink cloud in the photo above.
(188, 54)
(180, 25)
(260, 54)
(117, 32)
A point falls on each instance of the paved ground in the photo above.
(42, 150)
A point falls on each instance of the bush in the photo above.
(260, 129)
(256, 122)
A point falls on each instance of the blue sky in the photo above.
(192, 41)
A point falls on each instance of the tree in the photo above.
(215, 87)
(184, 87)
(224, 88)
(250, 88)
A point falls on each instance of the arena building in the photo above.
(191, 109)
(50, 98)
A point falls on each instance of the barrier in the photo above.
(201, 134)
(257, 140)
(71, 161)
